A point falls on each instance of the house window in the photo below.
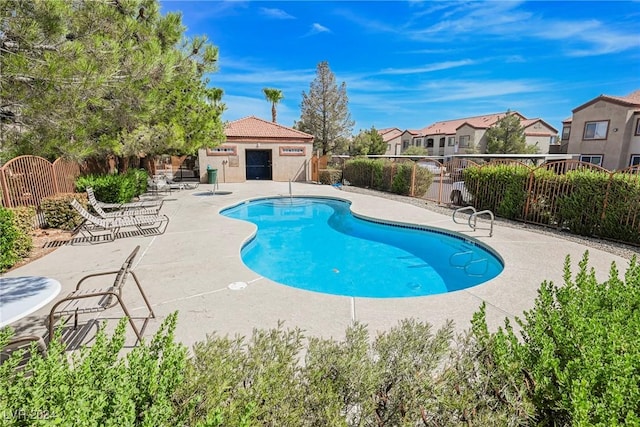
(223, 150)
(596, 130)
(635, 160)
(405, 144)
(292, 151)
(566, 131)
(452, 141)
(418, 142)
(388, 147)
(595, 159)
(464, 141)
(429, 143)
(638, 127)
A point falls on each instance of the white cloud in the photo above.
(275, 13)
(317, 29)
(428, 68)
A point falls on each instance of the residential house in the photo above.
(257, 149)
(391, 137)
(605, 131)
(467, 135)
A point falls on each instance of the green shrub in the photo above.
(115, 188)
(24, 220)
(365, 173)
(501, 188)
(329, 176)
(8, 236)
(385, 175)
(581, 206)
(59, 213)
(95, 387)
(581, 349)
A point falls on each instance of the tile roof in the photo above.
(389, 133)
(632, 100)
(449, 127)
(254, 127)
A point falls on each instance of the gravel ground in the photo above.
(620, 249)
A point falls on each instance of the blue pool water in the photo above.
(318, 245)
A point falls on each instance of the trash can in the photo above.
(212, 176)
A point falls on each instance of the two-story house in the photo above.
(391, 137)
(468, 134)
(605, 131)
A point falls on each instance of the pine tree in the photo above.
(325, 111)
(506, 136)
(90, 78)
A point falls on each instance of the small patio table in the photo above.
(21, 296)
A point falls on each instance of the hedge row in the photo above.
(385, 175)
(583, 201)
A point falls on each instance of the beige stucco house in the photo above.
(467, 135)
(256, 149)
(392, 137)
(605, 131)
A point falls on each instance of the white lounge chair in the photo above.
(97, 227)
(144, 204)
(97, 207)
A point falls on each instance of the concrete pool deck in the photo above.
(189, 268)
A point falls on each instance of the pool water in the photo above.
(318, 245)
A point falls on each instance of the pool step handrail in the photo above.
(477, 261)
(457, 255)
(474, 217)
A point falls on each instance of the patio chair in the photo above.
(95, 205)
(143, 204)
(22, 343)
(110, 227)
(96, 299)
(158, 184)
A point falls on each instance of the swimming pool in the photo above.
(317, 244)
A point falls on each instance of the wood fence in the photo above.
(26, 180)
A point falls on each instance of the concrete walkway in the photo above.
(190, 267)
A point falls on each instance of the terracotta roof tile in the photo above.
(449, 127)
(254, 127)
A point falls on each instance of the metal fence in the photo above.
(26, 180)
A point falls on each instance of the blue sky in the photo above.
(409, 64)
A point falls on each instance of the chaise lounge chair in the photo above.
(97, 227)
(96, 206)
(145, 204)
(96, 300)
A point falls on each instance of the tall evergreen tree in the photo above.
(325, 111)
(506, 136)
(274, 96)
(87, 78)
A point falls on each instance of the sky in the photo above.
(408, 64)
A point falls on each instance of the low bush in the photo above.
(384, 175)
(580, 350)
(329, 176)
(8, 236)
(24, 220)
(59, 213)
(115, 188)
(96, 387)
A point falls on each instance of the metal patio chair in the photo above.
(95, 298)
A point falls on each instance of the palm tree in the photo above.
(274, 96)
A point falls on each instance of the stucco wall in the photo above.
(613, 148)
(232, 165)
